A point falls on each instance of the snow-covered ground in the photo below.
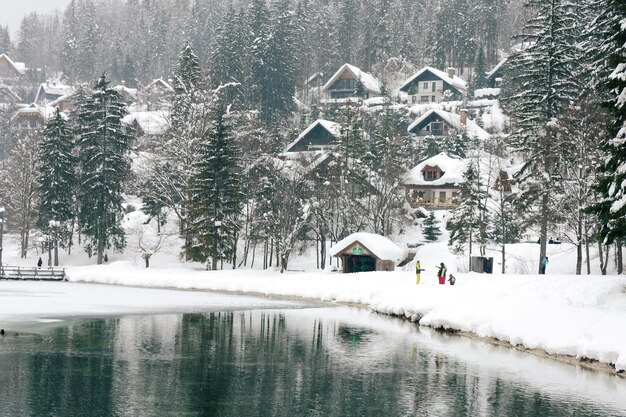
(561, 313)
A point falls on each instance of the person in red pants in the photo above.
(441, 274)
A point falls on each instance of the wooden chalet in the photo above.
(434, 182)
(440, 123)
(366, 252)
(343, 83)
(430, 85)
(31, 118)
(10, 70)
(319, 135)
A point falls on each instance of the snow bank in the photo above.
(568, 315)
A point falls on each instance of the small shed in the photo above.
(365, 252)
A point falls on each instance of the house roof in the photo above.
(20, 67)
(159, 83)
(451, 119)
(151, 122)
(333, 128)
(498, 66)
(58, 90)
(454, 81)
(380, 246)
(123, 90)
(452, 171)
(369, 81)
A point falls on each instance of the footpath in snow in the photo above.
(580, 316)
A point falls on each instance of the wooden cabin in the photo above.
(366, 252)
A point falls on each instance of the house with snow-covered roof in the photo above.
(343, 83)
(430, 85)
(434, 182)
(32, 117)
(10, 70)
(147, 123)
(441, 123)
(51, 91)
(319, 135)
(366, 252)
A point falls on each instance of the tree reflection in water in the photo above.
(308, 362)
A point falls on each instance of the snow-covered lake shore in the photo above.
(568, 315)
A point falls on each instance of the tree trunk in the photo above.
(503, 257)
(588, 260)
(147, 259)
(601, 256)
(100, 249)
(618, 250)
(579, 244)
(543, 234)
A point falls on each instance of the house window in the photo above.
(431, 175)
(434, 87)
(442, 195)
(426, 85)
(433, 99)
(424, 99)
(437, 128)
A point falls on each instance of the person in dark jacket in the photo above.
(39, 263)
(452, 279)
(441, 274)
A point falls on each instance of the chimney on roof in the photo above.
(451, 72)
(463, 118)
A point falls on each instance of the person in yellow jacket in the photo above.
(418, 270)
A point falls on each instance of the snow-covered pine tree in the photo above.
(275, 65)
(430, 228)
(57, 182)
(89, 40)
(469, 220)
(70, 61)
(540, 85)
(228, 56)
(480, 74)
(216, 193)
(611, 209)
(6, 46)
(103, 152)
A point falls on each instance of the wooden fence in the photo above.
(32, 273)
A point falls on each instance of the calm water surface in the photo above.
(296, 362)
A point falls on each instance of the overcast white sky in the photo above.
(12, 11)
